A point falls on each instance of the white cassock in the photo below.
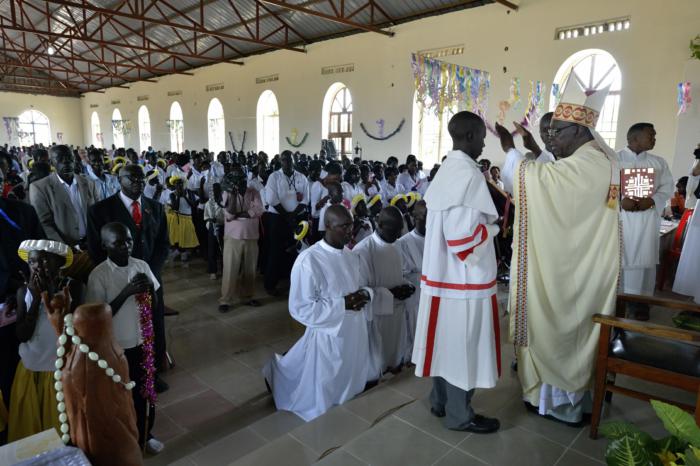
(389, 191)
(328, 365)
(411, 248)
(457, 329)
(640, 230)
(350, 190)
(688, 271)
(387, 329)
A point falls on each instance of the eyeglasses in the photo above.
(135, 178)
(554, 132)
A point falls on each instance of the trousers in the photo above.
(145, 412)
(240, 258)
(455, 402)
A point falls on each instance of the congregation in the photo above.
(388, 267)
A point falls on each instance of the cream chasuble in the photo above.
(566, 263)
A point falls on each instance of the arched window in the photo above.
(177, 128)
(430, 140)
(337, 118)
(95, 130)
(595, 69)
(117, 129)
(268, 123)
(34, 128)
(217, 127)
(144, 128)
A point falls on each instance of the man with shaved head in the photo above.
(387, 329)
(457, 341)
(328, 365)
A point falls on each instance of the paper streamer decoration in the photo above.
(380, 125)
(683, 97)
(515, 93)
(440, 86)
(555, 93)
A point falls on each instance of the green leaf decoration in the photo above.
(677, 422)
(692, 457)
(628, 451)
(614, 430)
(695, 47)
(670, 443)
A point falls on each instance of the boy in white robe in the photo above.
(328, 365)
(387, 329)
(641, 217)
(411, 248)
(457, 341)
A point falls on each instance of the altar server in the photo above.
(328, 365)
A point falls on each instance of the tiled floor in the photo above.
(217, 411)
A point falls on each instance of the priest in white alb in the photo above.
(566, 255)
(641, 215)
(457, 332)
(328, 365)
(411, 247)
(382, 266)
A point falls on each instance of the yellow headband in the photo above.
(304, 230)
(162, 163)
(117, 166)
(53, 247)
(397, 198)
(120, 160)
(356, 200)
(174, 179)
(413, 197)
(376, 198)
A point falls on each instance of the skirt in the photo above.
(32, 404)
(3, 414)
(181, 230)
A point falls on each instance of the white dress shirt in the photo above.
(76, 200)
(105, 283)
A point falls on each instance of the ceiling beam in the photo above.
(199, 29)
(335, 19)
(508, 4)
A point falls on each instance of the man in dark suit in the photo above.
(18, 221)
(149, 229)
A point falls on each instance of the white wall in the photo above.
(65, 114)
(652, 55)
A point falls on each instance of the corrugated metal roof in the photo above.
(75, 49)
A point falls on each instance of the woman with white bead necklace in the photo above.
(33, 397)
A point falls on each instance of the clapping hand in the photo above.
(505, 137)
(528, 140)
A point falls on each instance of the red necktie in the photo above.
(136, 213)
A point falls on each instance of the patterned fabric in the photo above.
(576, 114)
(520, 336)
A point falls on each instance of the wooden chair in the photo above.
(673, 255)
(647, 351)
